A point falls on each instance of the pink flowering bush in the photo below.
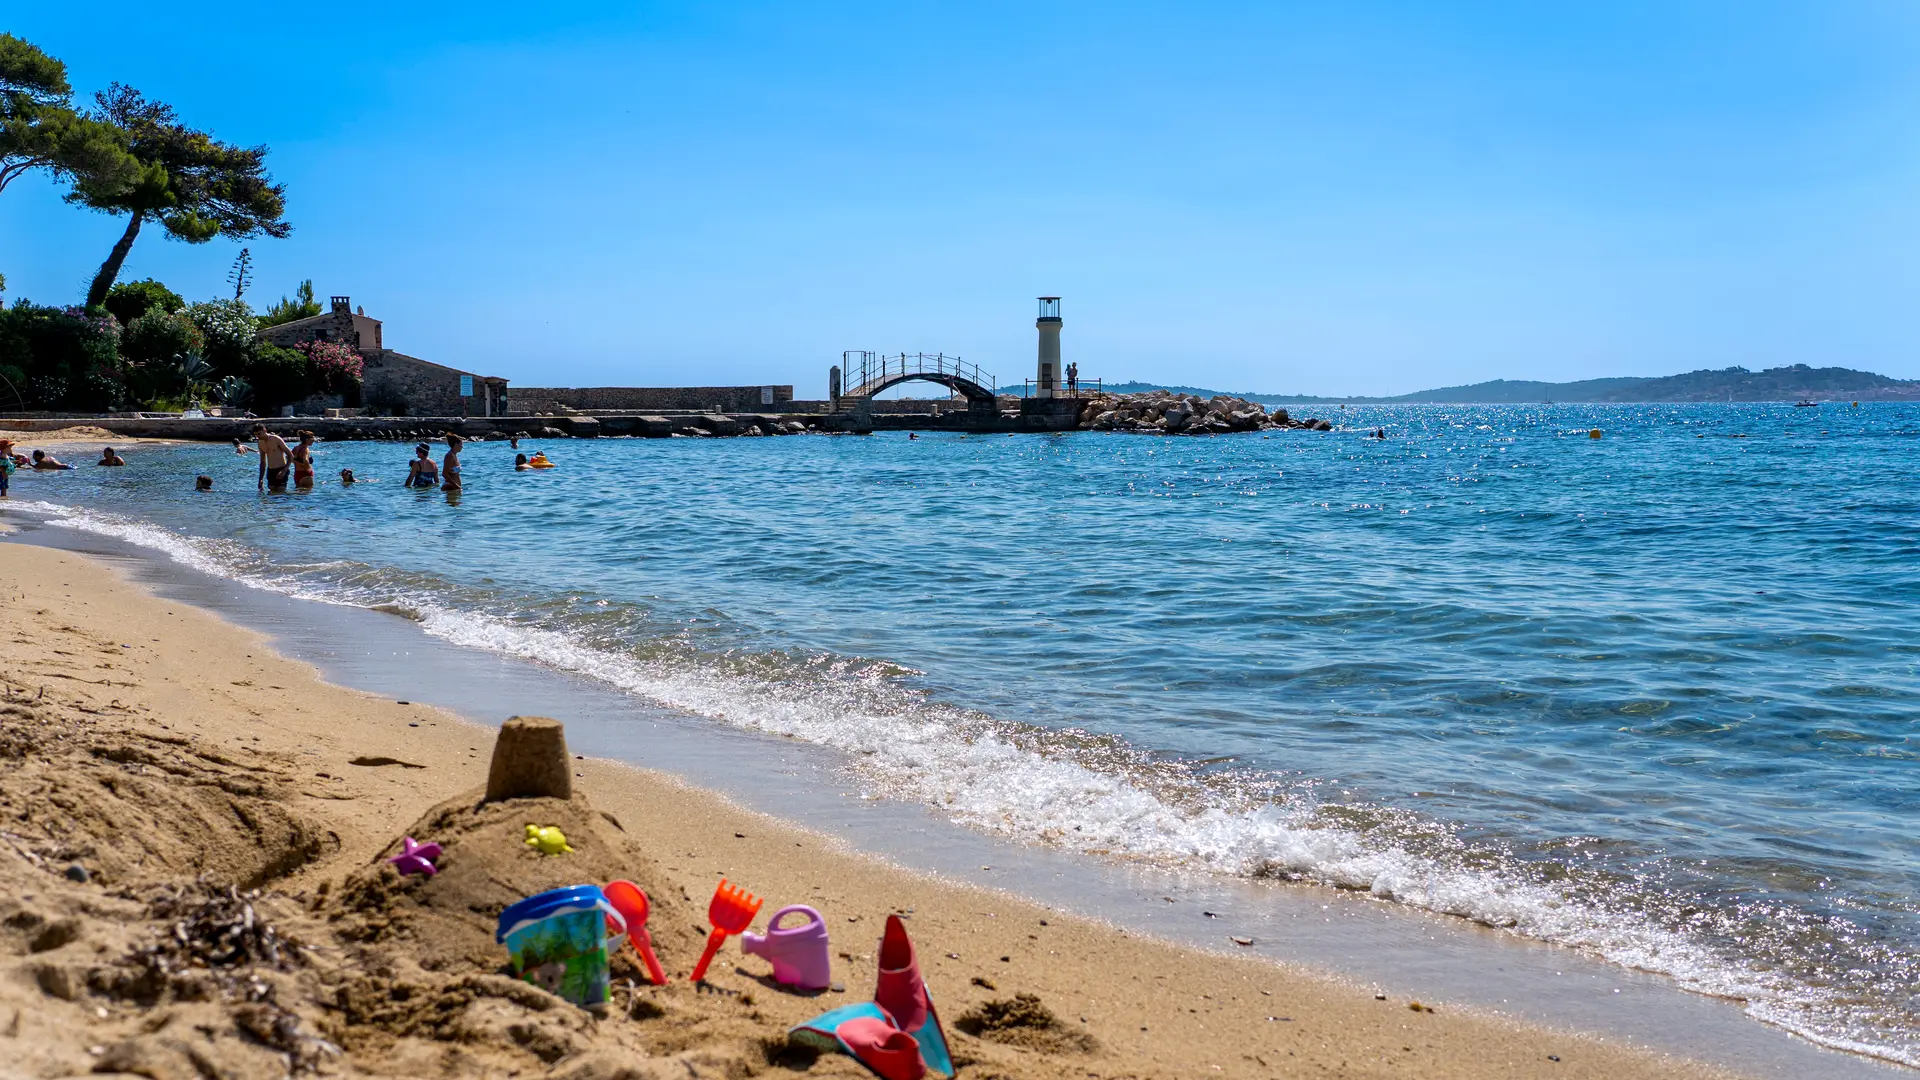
(335, 365)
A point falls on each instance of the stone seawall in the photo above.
(414, 428)
(559, 400)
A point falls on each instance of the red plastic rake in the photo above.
(731, 912)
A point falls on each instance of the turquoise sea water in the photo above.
(1652, 695)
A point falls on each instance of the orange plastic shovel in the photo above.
(631, 902)
(730, 912)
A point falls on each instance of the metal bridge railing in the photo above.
(1063, 388)
(864, 373)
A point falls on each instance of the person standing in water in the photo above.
(303, 462)
(6, 465)
(110, 459)
(450, 465)
(422, 472)
(276, 461)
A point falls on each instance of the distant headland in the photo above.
(1727, 384)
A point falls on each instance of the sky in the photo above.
(1327, 198)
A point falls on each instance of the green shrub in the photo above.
(279, 376)
(160, 336)
(228, 327)
(68, 358)
(129, 300)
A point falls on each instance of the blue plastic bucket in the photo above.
(558, 940)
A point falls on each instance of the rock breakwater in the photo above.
(1166, 413)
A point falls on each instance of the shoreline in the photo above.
(1335, 1021)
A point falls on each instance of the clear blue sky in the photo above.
(1327, 198)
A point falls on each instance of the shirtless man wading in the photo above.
(276, 461)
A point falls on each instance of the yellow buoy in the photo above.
(1594, 434)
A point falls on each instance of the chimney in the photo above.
(341, 306)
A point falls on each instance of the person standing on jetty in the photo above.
(450, 465)
(275, 459)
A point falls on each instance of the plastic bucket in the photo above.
(558, 940)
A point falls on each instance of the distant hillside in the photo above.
(1729, 384)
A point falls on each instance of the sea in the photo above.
(1639, 680)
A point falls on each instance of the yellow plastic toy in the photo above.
(547, 840)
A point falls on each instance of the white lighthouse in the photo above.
(1047, 379)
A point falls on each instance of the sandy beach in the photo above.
(171, 755)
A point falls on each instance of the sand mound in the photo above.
(133, 806)
(446, 922)
(1023, 1021)
(174, 957)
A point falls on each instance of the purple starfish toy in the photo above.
(415, 858)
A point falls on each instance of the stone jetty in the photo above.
(1154, 413)
(1166, 413)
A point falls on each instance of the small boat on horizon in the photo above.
(1805, 403)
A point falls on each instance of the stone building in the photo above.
(393, 382)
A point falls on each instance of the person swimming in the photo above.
(520, 463)
(422, 472)
(45, 462)
(242, 448)
(346, 477)
(203, 483)
(539, 461)
(110, 459)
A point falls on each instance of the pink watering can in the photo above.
(798, 953)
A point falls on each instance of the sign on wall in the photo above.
(766, 395)
(466, 386)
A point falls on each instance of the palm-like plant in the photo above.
(234, 392)
(195, 374)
